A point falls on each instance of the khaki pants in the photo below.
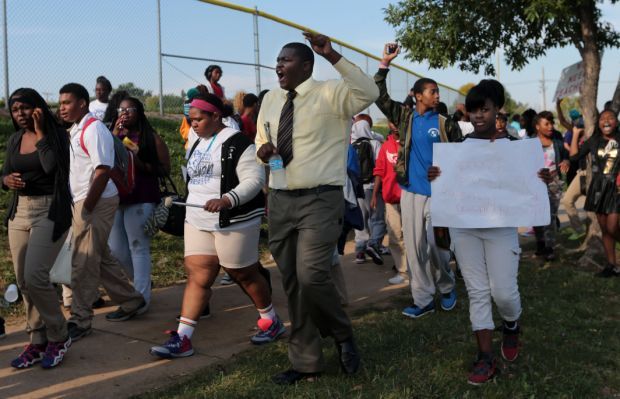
(303, 231)
(93, 263)
(34, 253)
(397, 243)
(572, 194)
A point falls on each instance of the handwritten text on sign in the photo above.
(570, 82)
(489, 184)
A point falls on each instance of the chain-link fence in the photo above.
(160, 46)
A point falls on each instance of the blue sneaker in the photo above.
(174, 347)
(54, 353)
(415, 311)
(448, 301)
(32, 354)
(267, 334)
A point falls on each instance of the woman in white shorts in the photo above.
(223, 177)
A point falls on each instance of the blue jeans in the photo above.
(131, 246)
(374, 222)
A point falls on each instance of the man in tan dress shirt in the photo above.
(305, 219)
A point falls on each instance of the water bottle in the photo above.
(278, 173)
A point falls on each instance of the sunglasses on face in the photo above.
(130, 110)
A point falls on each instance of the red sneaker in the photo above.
(484, 370)
(510, 344)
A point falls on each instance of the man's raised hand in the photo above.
(319, 43)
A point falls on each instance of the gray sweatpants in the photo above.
(428, 263)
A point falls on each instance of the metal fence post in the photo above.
(161, 80)
(367, 109)
(256, 51)
(6, 56)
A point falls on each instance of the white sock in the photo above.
(186, 327)
(267, 313)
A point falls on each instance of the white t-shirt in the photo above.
(549, 155)
(97, 108)
(100, 145)
(204, 169)
(466, 127)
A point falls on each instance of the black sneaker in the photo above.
(374, 254)
(121, 315)
(77, 333)
(99, 303)
(608, 271)
(205, 314)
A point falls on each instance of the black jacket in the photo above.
(231, 152)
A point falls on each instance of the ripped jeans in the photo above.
(131, 246)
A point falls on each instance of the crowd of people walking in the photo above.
(91, 174)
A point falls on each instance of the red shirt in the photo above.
(217, 90)
(384, 168)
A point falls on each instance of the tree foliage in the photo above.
(467, 32)
(134, 91)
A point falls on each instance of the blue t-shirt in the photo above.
(424, 132)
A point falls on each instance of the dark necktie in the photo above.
(285, 129)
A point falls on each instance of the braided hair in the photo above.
(148, 150)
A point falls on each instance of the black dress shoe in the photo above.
(349, 356)
(290, 377)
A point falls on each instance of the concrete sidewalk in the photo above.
(114, 360)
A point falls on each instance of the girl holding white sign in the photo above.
(489, 257)
(602, 197)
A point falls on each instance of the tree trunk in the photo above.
(615, 101)
(590, 55)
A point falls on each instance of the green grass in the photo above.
(571, 340)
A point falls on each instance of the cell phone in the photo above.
(579, 123)
(391, 48)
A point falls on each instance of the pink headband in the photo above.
(205, 106)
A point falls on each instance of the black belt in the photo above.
(300, 192)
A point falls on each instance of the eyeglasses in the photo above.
(130, 110)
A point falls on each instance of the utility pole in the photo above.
(256, 51)
(497, 64)
(6, 56)
(159, 66)
(543, 89)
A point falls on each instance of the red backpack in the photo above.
(123, 173)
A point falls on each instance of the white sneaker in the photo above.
(226, 280)
(398, 279)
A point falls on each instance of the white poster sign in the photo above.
(570, 82)
(489, 184)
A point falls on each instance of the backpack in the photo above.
(366, 156)
(123, 173)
